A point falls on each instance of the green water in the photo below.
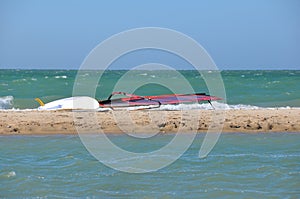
(240, 166)
(260, 88)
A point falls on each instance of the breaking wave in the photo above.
(6, 102)
(216, 105)
(206, 106)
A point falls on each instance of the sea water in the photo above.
(240, 166)
(244, 89)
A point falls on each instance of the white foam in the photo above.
(207, 106)
(6, 102)
(60, 77)
(11, 174)
(143, 74)
(176, 107)
(103, 109)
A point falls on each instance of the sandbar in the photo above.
(34, 122)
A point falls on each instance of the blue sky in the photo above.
(55, 34)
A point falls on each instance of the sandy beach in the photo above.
(144, 121)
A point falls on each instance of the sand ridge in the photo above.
(144, 121)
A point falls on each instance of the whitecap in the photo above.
(60, 77)
(20, 80)
(6, 102)
(11, 174)
(143, 74)
(273, 82)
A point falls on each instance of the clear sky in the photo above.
(250, 34)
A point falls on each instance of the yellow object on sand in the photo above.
(40, 101)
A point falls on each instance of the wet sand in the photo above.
(145, 121)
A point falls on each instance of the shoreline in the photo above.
(63, 122)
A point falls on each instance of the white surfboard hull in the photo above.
(71, 103)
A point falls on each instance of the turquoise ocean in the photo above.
(18, 88)
(264, 165)
(240, 166)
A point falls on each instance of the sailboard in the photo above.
(153, 101)
(131, 100)
(71, 103)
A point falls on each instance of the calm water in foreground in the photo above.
(240, 166)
